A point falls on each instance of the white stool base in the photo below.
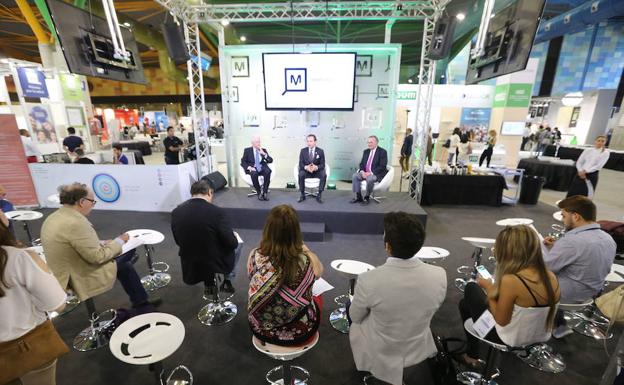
(338, 320)
(473, 378)
(92, 338)
(298, 375)
(155, 281)
(542, 357)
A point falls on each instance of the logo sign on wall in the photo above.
(106, 188)
(73, 87)
(240, 66)
(364, 65)
(32, 82)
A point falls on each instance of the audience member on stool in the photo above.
(5, 207)
(27, 291)
(255, 162)
(393, 304)
(523, 299)
(207, 242)
(282, 270)
(582, 258)
(78, 259)
(372, 168)
(311, 165)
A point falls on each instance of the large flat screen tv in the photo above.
(309, 81)
(88, 47)
(508, 41)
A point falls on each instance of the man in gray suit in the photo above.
(393, 304)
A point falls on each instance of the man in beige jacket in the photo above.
(393, 304)
(78, 259)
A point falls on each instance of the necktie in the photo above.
(370, 161)
(258, 166)
(311, 155)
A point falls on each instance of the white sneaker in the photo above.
(562, 331)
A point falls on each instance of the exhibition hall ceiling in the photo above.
(17, 39)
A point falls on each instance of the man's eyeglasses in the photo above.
(93, 201)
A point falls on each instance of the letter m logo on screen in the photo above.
(295, 80)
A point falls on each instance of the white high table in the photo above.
(25, 216)
(157, 277)
(350, 269)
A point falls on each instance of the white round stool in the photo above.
(616, 274)
(285, 374)
(350, 269)
(514, 222)
(558, 216)
(147, 339)
(54, 198)
(25, 216)
(431, 254)
(157, 277)
(470, 272)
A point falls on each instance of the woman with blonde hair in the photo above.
(282, 271)
(523, 299)
(489, 150)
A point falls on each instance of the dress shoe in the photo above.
(227, 287)
(156, 302)
(210, 293)
(259, 197)
(265, 197)
(358, 198)
(365, 201)
(301, 198)
(319, 199)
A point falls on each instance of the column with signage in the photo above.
(511, 104)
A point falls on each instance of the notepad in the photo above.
(321, 286)
(132, 244)
(484, 324)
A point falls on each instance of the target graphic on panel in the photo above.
(106, 188)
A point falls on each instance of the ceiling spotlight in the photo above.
(225, 22)
(460, 16)
(243, 38)
(126, 24)
(410, 80)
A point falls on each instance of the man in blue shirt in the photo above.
(5, 207)
(72, 141)
(582, 258)
(118, 156)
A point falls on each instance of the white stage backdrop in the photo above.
(342, 134)
(137, 188)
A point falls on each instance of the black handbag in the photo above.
(443, 370)
(447, 144)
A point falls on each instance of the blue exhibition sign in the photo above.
(33, 82)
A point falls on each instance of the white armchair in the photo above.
(382, 185)
(311, 183)
(247, 178)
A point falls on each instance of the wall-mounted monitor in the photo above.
(88, 48)
(512, 128)
(508, 41)
(309, 81)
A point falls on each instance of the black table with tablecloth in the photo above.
(140, 145)
(615, 162)
(463, 189)
(558, 176)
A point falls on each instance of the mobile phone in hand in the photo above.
(483, 272)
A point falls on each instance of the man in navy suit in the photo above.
(372, 169)
(256, 161)
(311, 165)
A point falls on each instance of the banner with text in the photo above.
(14, 174)
(32, 82)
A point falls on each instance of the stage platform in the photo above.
(338, 215)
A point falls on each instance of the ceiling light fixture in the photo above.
(243, 38)
(410, 80)
(460, 16)
(225, 22)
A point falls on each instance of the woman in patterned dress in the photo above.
(282, 270)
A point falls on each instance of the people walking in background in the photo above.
(526, 133)
(453, 146)
(118, 156)
(545, 139)
(173, 145)
(30, 148)
(464, 150)
(429, 148)
(72, 141)
(406, 150)
(588, 165)
(489, 149)
(81, 158)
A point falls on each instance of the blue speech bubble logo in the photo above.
(295, 80)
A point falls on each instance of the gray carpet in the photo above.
(224, 355)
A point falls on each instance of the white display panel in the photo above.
(314, 81)
(513, 128)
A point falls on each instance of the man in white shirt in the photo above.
(393, 304)
(30, 148)
(525, 136)
(588, 165)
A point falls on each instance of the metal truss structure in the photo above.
(194, 14)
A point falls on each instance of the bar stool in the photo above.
(470, 272)
(157, 277)
(285, 374)
(25, 216)
(97, 334)
(539, 356)
(432, 255)
(514, 222)
(218, 311)
(148, 339)
(585, 318)
(351, 269)
(558, 216)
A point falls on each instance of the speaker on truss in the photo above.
(442, 38)
(217, 179)
(174, 39)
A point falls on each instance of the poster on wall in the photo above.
(127, 117)
(32, 82)
(14, 173)
(40, 121)
(476, 120)
(162, 120)
(574, 117)
(75, 116)
(73, 87)
(372, 118)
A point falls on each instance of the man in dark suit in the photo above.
(207, 242)
(311, 165)
(256, 161)
(372, 169)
